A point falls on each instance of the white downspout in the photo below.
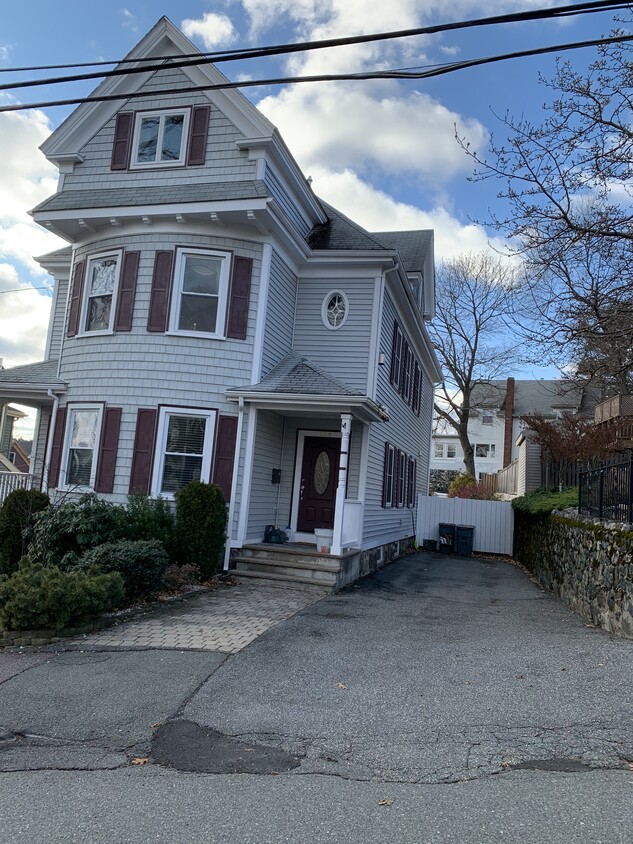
(49, 443)
(236, 468)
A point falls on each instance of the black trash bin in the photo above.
(447, 537)
(464, 540)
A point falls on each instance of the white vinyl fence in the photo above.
(493, 521)
(13, 480)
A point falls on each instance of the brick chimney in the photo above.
(507, 429)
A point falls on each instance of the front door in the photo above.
(317, 493)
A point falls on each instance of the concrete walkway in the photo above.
(224, 620)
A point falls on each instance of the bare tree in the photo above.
(569, 186)
(476, 296)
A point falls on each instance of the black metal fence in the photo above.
(607, 493)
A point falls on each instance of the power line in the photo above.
(438, 70)
(187, 60)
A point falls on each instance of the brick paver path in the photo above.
(226, 619)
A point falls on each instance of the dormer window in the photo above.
(160, 138)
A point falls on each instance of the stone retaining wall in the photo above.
(588, 566)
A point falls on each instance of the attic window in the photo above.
(159, 138)
(335, 309)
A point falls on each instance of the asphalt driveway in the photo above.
(442, 699)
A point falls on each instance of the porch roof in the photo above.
(29, 384)
(297, 383)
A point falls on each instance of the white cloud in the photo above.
(375, 210)
(129, 20)
(24, 316)
(212, 29)
(347, 125)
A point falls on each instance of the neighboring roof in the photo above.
(412, 246)
(177, 194)
(43, 373)
(296, 375)
(533, 396)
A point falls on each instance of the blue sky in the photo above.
(383, 152)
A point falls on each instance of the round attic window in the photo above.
(335, 309)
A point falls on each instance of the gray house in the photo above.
(213, 319)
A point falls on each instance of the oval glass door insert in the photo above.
(321, 472)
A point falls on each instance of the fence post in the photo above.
(600, 492)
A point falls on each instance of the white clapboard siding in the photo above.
(493, 521)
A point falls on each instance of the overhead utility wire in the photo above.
(338, 77)
(189, 59)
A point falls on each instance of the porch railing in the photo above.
(606, 493)
(10, 481)
(352, 523)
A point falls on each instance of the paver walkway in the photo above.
(226, 619)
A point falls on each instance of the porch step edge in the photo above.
(317, 565)
(292, 581)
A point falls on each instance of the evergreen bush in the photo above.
(63, 533)
(141, 563)
(16, 517)
(149, 518)
(201, 519)
(543, 501)
(37, 596)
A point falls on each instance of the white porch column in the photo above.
(346, 428)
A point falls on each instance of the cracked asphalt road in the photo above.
(442, 699)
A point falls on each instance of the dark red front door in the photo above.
(319, 474)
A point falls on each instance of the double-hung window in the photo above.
(160, 138)
(83, 427)
(184, 449)
(201, 282)
(484, 450)
(102, 281)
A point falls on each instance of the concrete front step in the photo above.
(294, 564)
(285, 569)
(284, 582)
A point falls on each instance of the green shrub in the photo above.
(542, 501)
(141, 564)
(64, 532)
(16, 517)
(149, 518)
(201, 519)
(37, 596)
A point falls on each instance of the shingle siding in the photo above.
(267, 456)
(224, 162)
(280, 313)
(274, 185)
(344, 352)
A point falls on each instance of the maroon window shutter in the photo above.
(161, 290)
(225, 454)
(394, 349)
(385, 476)
(140, 474)
(56, 451)
(127, 291)
(75, 297)
(198, 135)
(122, 140)
(108, 447)
(396, 478)
(239, 298)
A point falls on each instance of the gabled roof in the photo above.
(296, 383)
(163, 40)
(412, 246)
(533, 396)
(339, 232)
(295, 374)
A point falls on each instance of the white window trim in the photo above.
(144, 165)
(328, 296)
(438, 451)
(223, 292)
(454, 454)
(165, 413)
(63, 470)
(85, 297)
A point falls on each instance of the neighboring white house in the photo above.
(495, 425)
(214, 319)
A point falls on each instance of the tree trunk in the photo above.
(469, 452)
